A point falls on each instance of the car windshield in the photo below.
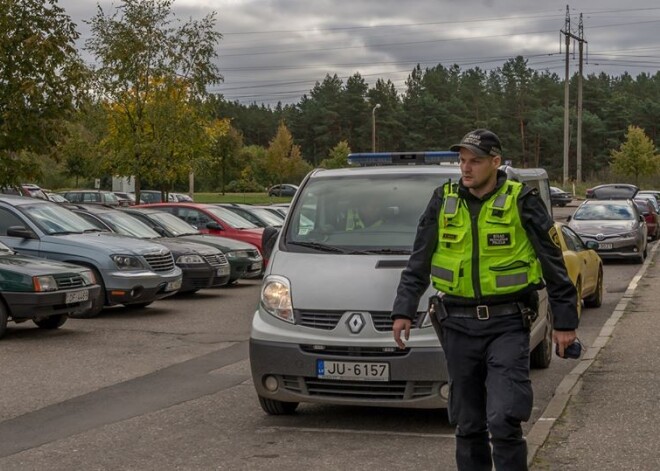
(173, 224)
(126, 224)
(233, 219)
(360, 214)
(604, 212)
(53, 219)
(265, 215)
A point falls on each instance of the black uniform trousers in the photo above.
(490, 391)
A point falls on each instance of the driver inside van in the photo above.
(368, 213)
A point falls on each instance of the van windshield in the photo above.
(360, 214)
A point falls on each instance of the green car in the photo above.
(41, 290)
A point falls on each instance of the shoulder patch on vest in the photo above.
(554, 236)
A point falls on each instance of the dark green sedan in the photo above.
(41, 290)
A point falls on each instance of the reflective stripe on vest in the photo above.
(505, 257)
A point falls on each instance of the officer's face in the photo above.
(478, 172)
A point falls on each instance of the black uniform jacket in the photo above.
(415, 278)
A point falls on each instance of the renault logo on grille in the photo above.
(355, 322)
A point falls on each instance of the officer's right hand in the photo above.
(401, 324)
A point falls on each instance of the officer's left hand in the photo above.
(563, 338)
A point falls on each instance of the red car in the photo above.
(214, 220)
(650, 216)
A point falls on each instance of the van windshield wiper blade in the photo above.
(387, 251)
(319, 246)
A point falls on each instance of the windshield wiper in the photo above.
(64, 232)
(94, 230)
(319, 246)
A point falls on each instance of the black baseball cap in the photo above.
(482, 142)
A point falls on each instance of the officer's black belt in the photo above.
(483, 312)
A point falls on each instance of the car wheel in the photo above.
(641, 257)
(273, 407)
(541, 356)
(52, 322)
(596, 299)
(4, 317)
(97, 303)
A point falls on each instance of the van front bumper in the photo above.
(418, 376)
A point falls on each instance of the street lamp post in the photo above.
(373, 127)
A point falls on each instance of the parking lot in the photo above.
(169, 387)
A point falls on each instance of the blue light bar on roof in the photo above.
(402, 158)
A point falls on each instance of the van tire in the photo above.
(52, 322)
(541, 356)
(273, 407)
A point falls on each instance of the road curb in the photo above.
(570, 385)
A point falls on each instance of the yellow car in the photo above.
(585, 268)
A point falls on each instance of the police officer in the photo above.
(489, 245)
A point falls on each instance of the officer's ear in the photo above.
(497, 161)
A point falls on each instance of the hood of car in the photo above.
(181, 247)
(223, 243)
(105, 242)
(33, 266)
(602, 227)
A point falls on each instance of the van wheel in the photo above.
(541, 356)
(4, 317)
(97, 303)
(596, 299)
(52, 322)
(273, 407)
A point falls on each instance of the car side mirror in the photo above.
(159, 230)
(20, 231)
(591, 244)
(568, 218)
(214, 226)
(641, 218)
(268, 239)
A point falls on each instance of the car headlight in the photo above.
(189, 260)
(276, 298)
(88, 276)
(44, 283)
(127, 262)
(237, 254)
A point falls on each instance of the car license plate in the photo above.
(222, 271)
(173, 285)
(352, 371)
(76, 296)
(255, 266)
(605, 246)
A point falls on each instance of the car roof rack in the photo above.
(366, 159)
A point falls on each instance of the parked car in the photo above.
(559, 197)
(650, 214)
(44, 291)
(258, 216)
(328, 291)
(107, 198)
(616, 225)
(214, 220)
(285, 189)
(201, 266)
(281, 209)
(244, 258)
(130, 271)
(55, 197)
(182, 198)
(584, 266)
(612, 191)
(155, 196)
(645, 193)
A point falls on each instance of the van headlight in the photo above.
(276, 297)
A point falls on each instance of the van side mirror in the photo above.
(20, 231)
(268, 239)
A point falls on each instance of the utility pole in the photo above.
(581, 42)
(568, 36)
(567, 33)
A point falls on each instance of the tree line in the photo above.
(143, 109)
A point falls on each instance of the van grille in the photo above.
(390, 390)
(160, 262)
(216, 261)
(69, 281)
(327, 320)
(334, 350)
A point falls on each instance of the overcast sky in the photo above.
(276, 50)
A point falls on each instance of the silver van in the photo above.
(322, 331)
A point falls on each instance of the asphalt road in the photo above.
(168, 387)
